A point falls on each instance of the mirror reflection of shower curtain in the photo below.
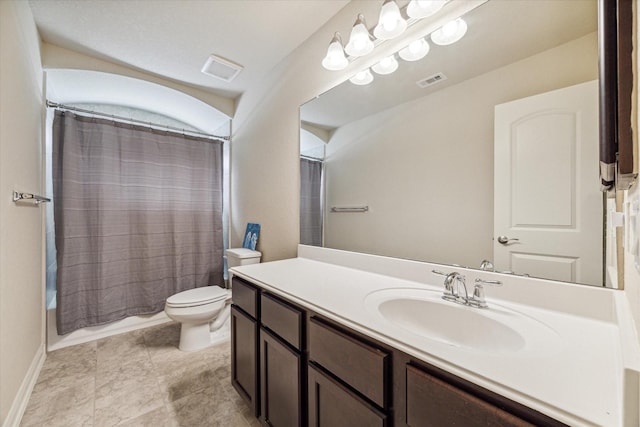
(311, 202)
(138, 217)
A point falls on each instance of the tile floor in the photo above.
(137, 379)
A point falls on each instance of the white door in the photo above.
(546, 190)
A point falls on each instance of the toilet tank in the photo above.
(240, 256)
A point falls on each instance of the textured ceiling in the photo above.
(173, 38)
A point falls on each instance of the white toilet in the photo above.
(241, 256)
(204, 312)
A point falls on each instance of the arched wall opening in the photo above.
(126, 98)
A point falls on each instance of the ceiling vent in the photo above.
(431, 80)
(221, 68)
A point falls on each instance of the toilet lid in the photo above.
(198, 296)
(242, 253)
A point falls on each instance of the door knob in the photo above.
(504, 240)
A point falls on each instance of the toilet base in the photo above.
(194, 337)
(221, 335)
(198, 337)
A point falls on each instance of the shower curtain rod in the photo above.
(134, 121)
(314, 159)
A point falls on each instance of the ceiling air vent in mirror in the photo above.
(431, 80)
(221, 68)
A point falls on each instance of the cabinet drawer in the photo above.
(282, 318)
(245, 296)
(433, 402)
(359, 364)
(333, 405)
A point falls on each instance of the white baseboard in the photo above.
(55, 341)
(21, 400)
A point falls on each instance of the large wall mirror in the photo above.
(486, 149)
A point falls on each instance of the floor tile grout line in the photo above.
(154, 369)
(142, 343)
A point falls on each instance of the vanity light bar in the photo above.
(391, 24)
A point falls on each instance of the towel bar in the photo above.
(350, 209)
(17, 196)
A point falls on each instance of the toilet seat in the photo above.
(197, 296)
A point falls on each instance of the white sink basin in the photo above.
(424, 314)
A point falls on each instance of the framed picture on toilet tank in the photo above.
(251, 236)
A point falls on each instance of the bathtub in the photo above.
(55, 341)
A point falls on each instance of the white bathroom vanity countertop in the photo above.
(586, 376)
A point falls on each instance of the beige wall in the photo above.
(265, 140)
(21, 235)
(434, 172)
(631, 273)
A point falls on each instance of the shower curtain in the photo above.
(310, 202)
(138, 217)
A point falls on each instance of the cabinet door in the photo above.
(244, 357)
(281, 379)
(433, 402)
(333, 405)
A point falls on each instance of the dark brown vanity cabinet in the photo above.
(427, 396)
(282, 363)
(244, 342)
(349, 379)
(434, 398)
(268, 355)
(296, 368)
(332, 404)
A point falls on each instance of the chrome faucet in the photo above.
(453, 283)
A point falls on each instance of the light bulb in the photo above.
(363, 77)
(335, 59)
(390, 23)
(449, 28)
(415, 46)
(386, 66)
(360, 42)
(423, 8)
(416, 50)
(450, 33)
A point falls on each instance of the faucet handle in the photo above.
(480, 282)
(478, 300)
